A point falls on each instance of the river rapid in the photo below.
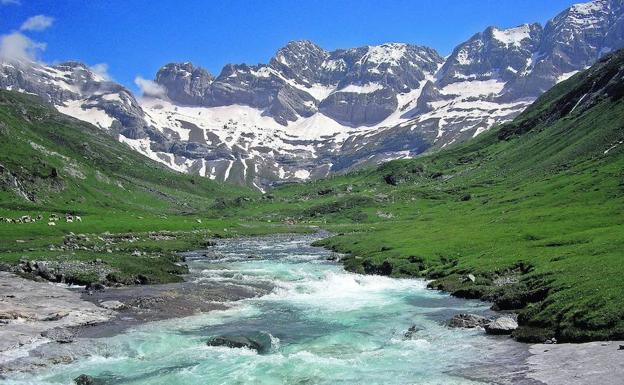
(326, 326)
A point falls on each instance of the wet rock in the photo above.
(113, 305)
(96, 286)
(44, 272)
(56, 316)
(60, 335)
(467, 321)
(208, 243)
(501, 325)
(260, 342)
(14, 314)
(411, 331)
(84, 379)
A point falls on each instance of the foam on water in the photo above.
(327, 326)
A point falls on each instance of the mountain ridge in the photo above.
(311, 112)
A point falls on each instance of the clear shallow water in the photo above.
(327, 326)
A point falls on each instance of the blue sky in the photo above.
(136, 37)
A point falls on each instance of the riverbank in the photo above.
(43, 324)
(35, 313)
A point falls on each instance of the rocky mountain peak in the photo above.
(301, 61)
(185, 83)
(495, 53)
(571, 41)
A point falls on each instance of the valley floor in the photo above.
(59, 313)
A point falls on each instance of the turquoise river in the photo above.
(325, 325)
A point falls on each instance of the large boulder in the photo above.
(260, 342)
(467, 321)
(501, 325)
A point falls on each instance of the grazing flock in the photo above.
(52, 219)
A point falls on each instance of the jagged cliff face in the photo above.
(356, 87)
(310, 112)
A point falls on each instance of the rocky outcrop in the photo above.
(302, 61)
(36, 311)
(185, 84)
(572, 41)
(502, 54)
(356, 109)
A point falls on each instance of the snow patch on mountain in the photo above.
(474, 88)
(362, 88)
(92, 115)
(390, 53)
(512, 36)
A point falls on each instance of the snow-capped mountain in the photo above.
(310, 112)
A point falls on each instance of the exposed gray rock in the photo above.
(260, 342)
(501, 325)
(572, 41)
(35, 308)
(185, 83)
(84, 379)
(467, 321)
(357, 109)
(492, 54)
(411, 331)
(60, 335)
(113, 305)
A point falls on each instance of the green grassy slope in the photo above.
(51, 163)
(534, 209)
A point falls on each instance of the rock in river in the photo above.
(467, 321)
(84, 379)
(260, 342)
(502, 325)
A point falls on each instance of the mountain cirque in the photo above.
(311, 112)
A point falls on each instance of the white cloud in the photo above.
(37, 23)
(101, 70)
(16, 47)
(150, 87)
(10, 2)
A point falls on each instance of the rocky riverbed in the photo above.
(316, 321)
(38, 320)
(34, 313)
